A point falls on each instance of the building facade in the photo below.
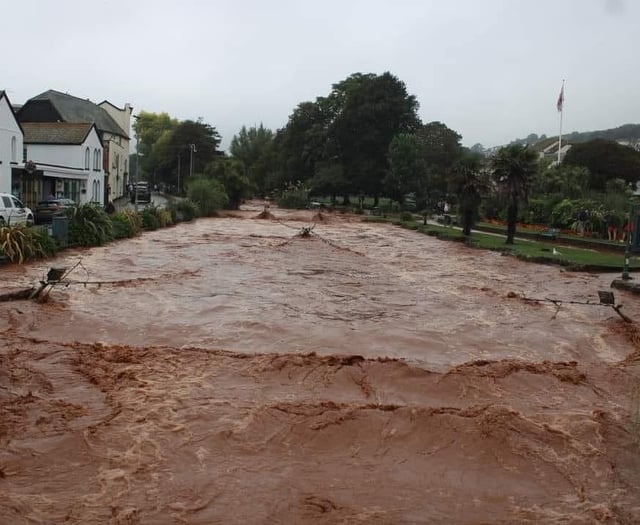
(11, 144)
(65, 160)
(112, 124)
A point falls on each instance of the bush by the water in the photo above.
(208, 194)
(126, 224)
(183, 210)
(21, 243)
(294, 196)
(89, 225)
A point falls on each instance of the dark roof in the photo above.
(71, 109)
(55, 132)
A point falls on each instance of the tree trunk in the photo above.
(467, 222)
(512, 217)
(376, 200)
(345, 200)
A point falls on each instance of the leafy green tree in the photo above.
(230, 173)
(469, 183)
(440, 151)
(605, 160)
(329, 180)
(149, 128)
(254, 148)
(369, 110)
(405, 166)
(562, 180)
(514, 167)
(303, 141)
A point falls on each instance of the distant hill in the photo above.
(627, 133)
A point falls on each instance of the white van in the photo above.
(13, 212)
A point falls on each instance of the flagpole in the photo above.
(561, 109)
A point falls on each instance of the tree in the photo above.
(369, 111)
(329, 180)
(605, 160)
(173, 151)
(404, 166)
(468, 183)
(149, 128)
(562, 180)
(440, 150)
(303, 142)
(208, 194)
(229, 172)
(514, 167)
(254, 149)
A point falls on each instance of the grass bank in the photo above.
(570, 257)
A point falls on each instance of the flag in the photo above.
(560, 99)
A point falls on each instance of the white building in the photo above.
(68, 161)
(111, 122)
(11, 143)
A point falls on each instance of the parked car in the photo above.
(13, 212)
(48, 209)
(142, 192)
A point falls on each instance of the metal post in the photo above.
(192, 149)
(135, 185)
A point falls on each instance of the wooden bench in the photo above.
(550, 233)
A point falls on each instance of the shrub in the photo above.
(48, 245)
(89, 225)
(149, 219)
(154, 217)
(406, 216)
(125, 224)
(208, 194)
(20, 243)
(294, 196)
(183, 210)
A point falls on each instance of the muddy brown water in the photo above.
(231, 371)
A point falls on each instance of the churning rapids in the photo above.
(231, 371)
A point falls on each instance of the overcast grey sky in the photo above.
(490, 69)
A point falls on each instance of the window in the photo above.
(7, 201)
(95, 191)
(87, 158)
(17, 203)
(14, 153)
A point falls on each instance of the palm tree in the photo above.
(514, 167)
(468, 182)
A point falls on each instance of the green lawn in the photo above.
(534, 251)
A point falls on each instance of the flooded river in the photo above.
(233, 371)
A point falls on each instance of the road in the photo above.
(158, 199)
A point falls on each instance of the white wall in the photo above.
(8, 129)
(118, 148)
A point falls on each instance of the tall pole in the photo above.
(135, 186)
(192, 149)
(560, 109)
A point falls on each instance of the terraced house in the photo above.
(67, 176)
